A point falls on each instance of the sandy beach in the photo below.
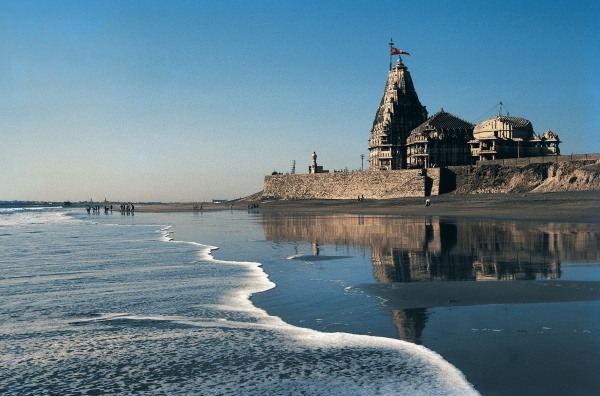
(465, 293)
(575, 206)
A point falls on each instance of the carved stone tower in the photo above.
(399, 112)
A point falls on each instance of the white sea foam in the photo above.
(28, 209)
(351, 363)
(294, 256)
(20, 217)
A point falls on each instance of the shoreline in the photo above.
(527, 326)
(574, 206)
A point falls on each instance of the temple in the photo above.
(402, 136)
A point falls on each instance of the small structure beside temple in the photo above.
(314, 168)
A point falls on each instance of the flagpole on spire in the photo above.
(391, 46)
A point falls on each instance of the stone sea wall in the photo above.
(555, 174)
(351, 185)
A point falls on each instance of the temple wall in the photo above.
(351, 185)
(545, 174)
(541, 160)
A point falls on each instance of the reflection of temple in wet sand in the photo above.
(411, 249)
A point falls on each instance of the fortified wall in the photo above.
(544, 174)
(351, 185)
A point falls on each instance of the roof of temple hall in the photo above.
(443, 121)
(516, 122)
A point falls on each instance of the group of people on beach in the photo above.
(95, 209)
(125, 209)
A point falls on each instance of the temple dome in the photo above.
(506, 127)
(444, 122)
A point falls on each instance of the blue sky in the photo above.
(194, 100)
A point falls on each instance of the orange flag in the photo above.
(398, 51)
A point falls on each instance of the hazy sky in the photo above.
(195, 100)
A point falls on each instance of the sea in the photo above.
(124, 304)
(241, 302)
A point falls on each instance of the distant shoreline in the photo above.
(576, 206)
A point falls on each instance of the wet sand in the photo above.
(576, 206)
(465, 293)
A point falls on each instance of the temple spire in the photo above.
(399, 112)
